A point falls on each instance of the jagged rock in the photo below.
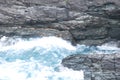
(92, 42)
(31, 15)
(99, 33)
(95, 66)
(90, 22)
(109, 10)
(34, 32)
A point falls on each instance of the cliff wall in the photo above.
(90, 22)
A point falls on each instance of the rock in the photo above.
(96, 33)
(118, 44)
(109, 9)
(90, 22)
(34, 32)
(8, 31)
(91, 42)
(97, 66)
(115, 33)
(32, 15)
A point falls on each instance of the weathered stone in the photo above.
(108, 9)
(34, 32)
(32, 15)
(95, 66)
(99, 33)
(114, 33)
(91, 42)
(88, 22)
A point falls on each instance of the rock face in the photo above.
(90, 22)
(95, 66)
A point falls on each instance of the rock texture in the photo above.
(95, 66)
(90, 22)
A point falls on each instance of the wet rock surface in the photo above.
(95, 66)
(90, 22)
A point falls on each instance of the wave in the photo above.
(40, 58)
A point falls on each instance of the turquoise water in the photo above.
(40, 58)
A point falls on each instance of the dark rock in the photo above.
(109, 9)
(118, 43)
(32, 15)
(96, 33)
(114, 33)
(92, 42)
(97, 66)
(90, 22)
(34, 32)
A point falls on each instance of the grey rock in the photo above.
(96, 33)
(95, 66)
(37, 14)
(109, 9)
(34, 32)
(114, 33)
(90, 22)
(92, 42)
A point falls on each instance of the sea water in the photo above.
(40, 58)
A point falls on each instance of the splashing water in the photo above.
(35, 59)
(40, 58)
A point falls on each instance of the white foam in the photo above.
(45, 42)
(69, 73)
(33, 70)
(109, 46)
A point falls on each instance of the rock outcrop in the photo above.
(90, 22)
(95, 66)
